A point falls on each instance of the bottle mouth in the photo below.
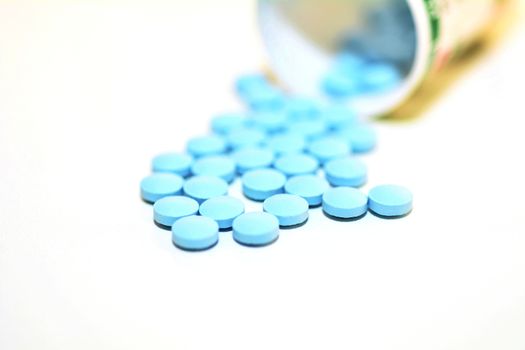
(338, 49)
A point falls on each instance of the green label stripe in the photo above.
(435, 26)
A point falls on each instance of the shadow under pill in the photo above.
(164, 227)
(389, 217)
(291, 227)
(257, 245)
(344, 219)
(190, 250)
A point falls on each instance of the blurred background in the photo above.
(91, 90)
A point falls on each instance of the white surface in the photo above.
(89, 92)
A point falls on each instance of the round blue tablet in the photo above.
(250, 82)
(167, 210)
(264, 98)
(195, 233)
(256, 229)
(328, 148)
(286, 143)
(205, 187)
(206, 146)
(289, 209)
(252, 158)
(269, 121)
(309, 187)
(245, 137)
(262, 183)
(224, 123)
(175, 163)
(223, 209)
(296, 164)
(347, 171)
(380, 77)
(362, 137)
(336, 84)
(156, 186)
(344, 203)
(390, 200)
(220, 166)
(339, 116)
(309, 129)
(300, 108)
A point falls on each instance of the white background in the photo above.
(90, 91)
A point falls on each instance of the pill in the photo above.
(252, 158)
(309, 129)
(380, 77)
(362, 138)
(204, 187)
(225, 123)
(175, 163)
(328, 148)
(270, 122)
(345, 203)
(250, 82)
(195, 233)
(167, 210)
(245, 137)
(350, 172)
(220, 166)
(264, 98)
(256, 229)
(262, 183)
(300, 108)
(290, 210)
(156, 186)
(223, 209)
(206, 146)
(309, 187)
(390, 200)
(296, 164)
(338, 85)
(338, 116)
(286, 143)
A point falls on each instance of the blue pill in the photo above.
(380, 77)
(157, 186)
(390, 200)
(225, 123)
(262, 183)
(219, 166)
(174, 163)
(338, 116)
(309, 129)
(350, 172)
(248, 83)
(286, 143)
(245, 137)
(362, 138)
(256, 229)
(328, 148)
(269, 122)
(296, 164)
(345, 203)
(206, 146)
(205, 187)
(300, 108)
(167, 210)
(309, 187)
(337, 84)
(195, 233)
(289, 209)
(252, 158)
(265, 98)
(223, 209)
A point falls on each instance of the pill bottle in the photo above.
(419, 37)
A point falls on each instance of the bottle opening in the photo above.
(366, 53)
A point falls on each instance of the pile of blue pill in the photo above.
(291, 153)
